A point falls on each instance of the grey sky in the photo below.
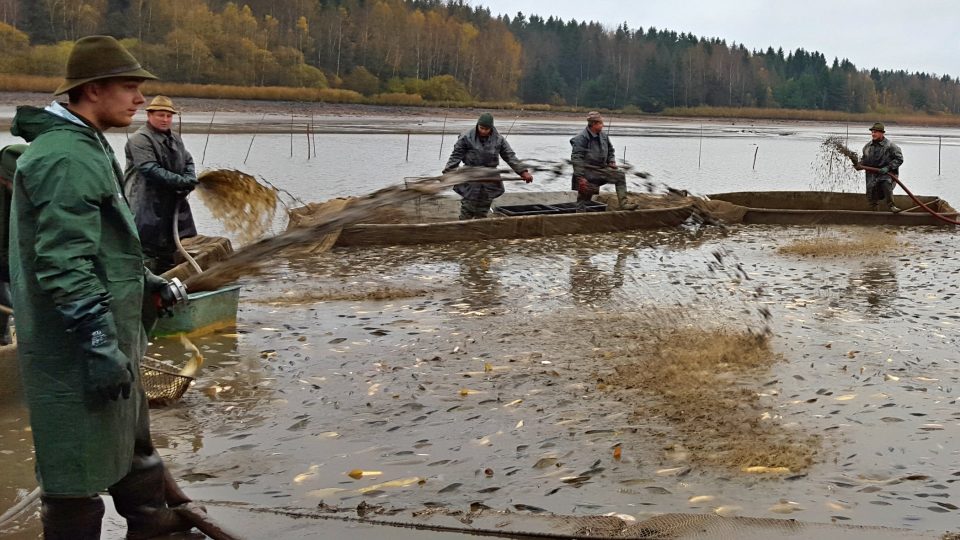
(917, 35)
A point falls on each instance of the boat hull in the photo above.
(534, 226)
(203, 313)
(829, 208)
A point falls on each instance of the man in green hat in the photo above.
(595, 164)
(78, 283)
(881, 153)
(482, 147)
(160, 174)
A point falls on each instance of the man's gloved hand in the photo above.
(165, 293)
(582, 184)
(109, 373)
(884, 170)
(527, 177)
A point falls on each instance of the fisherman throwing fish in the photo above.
(880, 153)
(482, 146)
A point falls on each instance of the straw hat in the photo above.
(162, 103)
(99, 57)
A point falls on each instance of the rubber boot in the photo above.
(582, 200)
(140, 497)
(888, 197)
(622, 197)
(874, 206)
(71, 518)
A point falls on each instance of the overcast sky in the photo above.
(914, 35)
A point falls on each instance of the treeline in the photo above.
(451, 51)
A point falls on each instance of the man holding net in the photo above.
(160, 174)
(880, 153)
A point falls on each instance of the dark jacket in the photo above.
(72, 237)
(476, 152)
(591, 156)
(159, 172)
(879, 154)
(8, 166)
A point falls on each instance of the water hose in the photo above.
(18, 508)
(912, 196)
(176, 236)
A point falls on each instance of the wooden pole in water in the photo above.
(291, 135)
(408, 147)
(209, 127)
(313, 134)
(306, 131)
(255, 131)
(755, 150)
(443, 133)
(623, 158)
(700, 152)
(515, 118)
(939, 147)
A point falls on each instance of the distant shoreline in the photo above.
(302, 111)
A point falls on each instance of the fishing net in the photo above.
(162, 382)
(244, 206)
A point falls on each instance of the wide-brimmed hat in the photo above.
(594, 116)
(162, 103)
(878, 127)
(99, 57)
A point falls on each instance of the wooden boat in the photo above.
(821, 208)
(430, 221)
(207, 311)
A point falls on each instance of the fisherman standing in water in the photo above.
(78, 285)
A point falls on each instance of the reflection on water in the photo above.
(876, 282)
(592, 283)
(481, 284)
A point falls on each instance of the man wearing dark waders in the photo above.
(78, 283)
(595, 164)
(882, 154)
(160, 174)
(483, 146)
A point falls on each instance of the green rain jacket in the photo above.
(72, 236)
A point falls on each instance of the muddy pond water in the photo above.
(485, 371)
